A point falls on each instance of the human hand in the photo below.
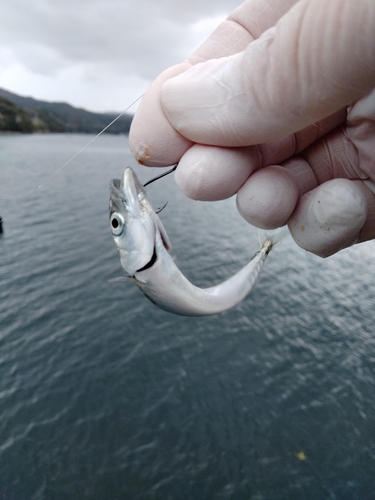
(278, 105)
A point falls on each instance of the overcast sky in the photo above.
(98, 54)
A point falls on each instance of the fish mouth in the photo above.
(127, 189)
(132, 189)
(115, 189)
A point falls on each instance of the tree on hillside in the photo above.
(13, 119)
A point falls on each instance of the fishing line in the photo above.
(74, 156)
(90, 142)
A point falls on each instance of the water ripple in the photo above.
(103, 395)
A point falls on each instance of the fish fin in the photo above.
(120, 278)
(163, 234)
(272, 235)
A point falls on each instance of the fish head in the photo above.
(134, 223)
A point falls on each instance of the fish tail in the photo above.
(268, 238)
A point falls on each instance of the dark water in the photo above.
(104, 396)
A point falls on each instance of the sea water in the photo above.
(105, 396)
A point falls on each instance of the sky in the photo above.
(100, 55)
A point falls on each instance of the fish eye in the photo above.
(117, 224)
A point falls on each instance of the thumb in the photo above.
(317, 59)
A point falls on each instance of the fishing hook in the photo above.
(161, 208)
(161, 175)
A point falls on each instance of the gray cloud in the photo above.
(102, 37)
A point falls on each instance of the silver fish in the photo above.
(144, 247)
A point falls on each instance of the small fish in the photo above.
(144, 247)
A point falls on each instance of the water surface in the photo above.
(103, 395)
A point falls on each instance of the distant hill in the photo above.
(25, 114)
(13, 119)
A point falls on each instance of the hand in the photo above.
(278, 106)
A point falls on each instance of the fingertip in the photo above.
(210, 173)
(152, 139)
(329, 218)
(268, 197)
